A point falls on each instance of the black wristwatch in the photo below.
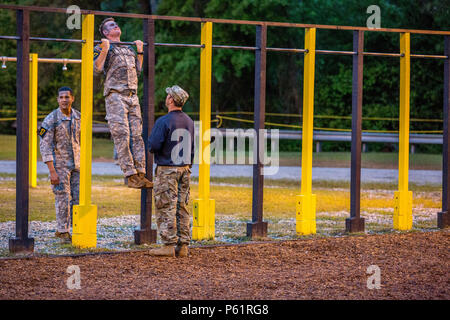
(141, 52)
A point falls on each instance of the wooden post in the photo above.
(146, 234)
(21, 243)
(355, 223)
(258, 228)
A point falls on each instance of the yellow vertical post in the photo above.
(33, 119)
(306, 201)
(204, 207)
(403, 197)
(85, 214)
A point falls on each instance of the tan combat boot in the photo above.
(182, 250)
(135, 181)
(148, 183)
(65, 236)
(164, 251)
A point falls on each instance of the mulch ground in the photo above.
(412, 265)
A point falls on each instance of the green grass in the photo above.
(102, 150)
(114, 199)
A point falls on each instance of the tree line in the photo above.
(233, 71)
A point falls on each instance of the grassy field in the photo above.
(102, 150)
(333, 200)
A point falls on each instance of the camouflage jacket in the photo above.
(121, 68)
(60, 139)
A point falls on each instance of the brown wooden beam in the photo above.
(225, 21)
(258, 228)
(21, 243)
(444, 216)
(146, 234)
(355, 223)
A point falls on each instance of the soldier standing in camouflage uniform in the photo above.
(172, 142)
(121, 67)
(60, 150)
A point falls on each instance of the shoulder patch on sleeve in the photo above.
(42, 131)
(97, 51)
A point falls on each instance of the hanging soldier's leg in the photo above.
(136, 141)
(117, 117)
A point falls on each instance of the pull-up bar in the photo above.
(185, 45)
(204, 207)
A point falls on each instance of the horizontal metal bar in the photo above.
(224, 21)
(57, 40)
(219, 46)
(287, 50)
(58, 60)
(183, 45)
(9, 38)
(382, 54)
(335, 52)
(129, 43)
(428, 56)
(347, 137)
(44, 60)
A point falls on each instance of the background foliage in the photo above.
(233, 71)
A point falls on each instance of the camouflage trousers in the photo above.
(66, 195)
(171, 189)
(123, 114)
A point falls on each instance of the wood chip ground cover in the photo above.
(413, 265)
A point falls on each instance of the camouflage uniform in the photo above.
(123, 111)
(171, 199)
(60, 143)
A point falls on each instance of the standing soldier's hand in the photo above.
(139, 45)
(105, 45)
(54, 179)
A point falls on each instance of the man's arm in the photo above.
(140, 57)
(54, 179)
(100, 54)
(46, 133)
(157, 137)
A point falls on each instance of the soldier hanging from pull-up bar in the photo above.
(121, 67)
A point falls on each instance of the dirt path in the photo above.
(413, 266)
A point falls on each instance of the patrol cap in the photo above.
(179, 95)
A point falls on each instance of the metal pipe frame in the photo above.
(186, 45)
(305, 207)
(223, 21)
(44, 60)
